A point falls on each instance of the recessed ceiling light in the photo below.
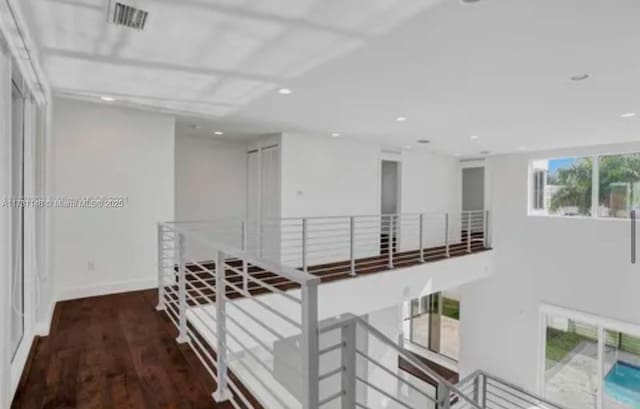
(401, 118)
(285, 91)
(218, 133)
(456, 154)
(107, 99)
(628, 115)
(580, 77)
(407, 147)
(423, 141)
(521, 148)
(335, 135)
(474, 137)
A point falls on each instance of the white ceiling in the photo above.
(498, 69)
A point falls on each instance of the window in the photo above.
(618, 184)
(539, 182)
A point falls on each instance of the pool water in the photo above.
(622, 383)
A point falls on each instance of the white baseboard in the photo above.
(105, 289)
(41, 328)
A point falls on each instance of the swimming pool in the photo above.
(622, 383)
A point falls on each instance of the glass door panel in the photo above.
(17, 220)
(621, 371)
(450, 325)
(571, 363)
(420, 321)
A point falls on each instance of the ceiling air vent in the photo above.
(122, 14)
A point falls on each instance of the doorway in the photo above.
(473, 188)
(389, 205)
(263, 201)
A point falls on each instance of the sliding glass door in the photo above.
(621, 371)
(17, 219)
(591, 362)
(433, 323)
(571, 364)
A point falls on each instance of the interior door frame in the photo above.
(18, 358)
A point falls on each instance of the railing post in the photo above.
(352, 255)
(483, 402)
(349, 365)
(476, 389)
(245, 265)
(160, 306)
(421, 237)
(304, 244)
(468, 232)
(183, 337)
(443, 397)
(446, 235)
(486, 229)
(310, 346)
(259, 238)
(390, 242)
(222, 392)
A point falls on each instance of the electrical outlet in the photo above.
(91, 265)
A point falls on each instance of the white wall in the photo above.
(329, 176)
(430, 183)
(577, 263)
(103, 150)
(342, 176)
(210, 178)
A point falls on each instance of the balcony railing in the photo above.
(252, 319)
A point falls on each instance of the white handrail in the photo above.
(197, 294)
(287, 272)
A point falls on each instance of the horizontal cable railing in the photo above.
(244, 297)
(492, 392)
(337, 247)
(235, 334)
(366, 377)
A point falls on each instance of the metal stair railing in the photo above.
(354, 364)
(237, 308)
(492, 392)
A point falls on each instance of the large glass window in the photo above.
(566, 188)
(589, 364)
(433, 323)
(570, 186)
(618, 185)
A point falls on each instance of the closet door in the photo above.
(270, 202)
(253, 199)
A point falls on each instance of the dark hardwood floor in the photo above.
(114, 351)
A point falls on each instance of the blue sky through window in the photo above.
(555, 164)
